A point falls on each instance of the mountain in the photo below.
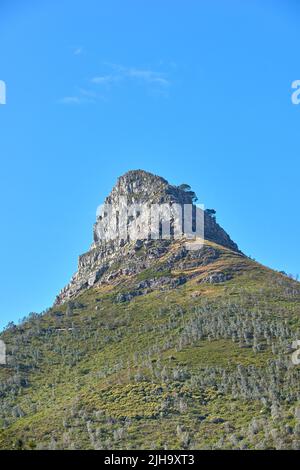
(164, 343)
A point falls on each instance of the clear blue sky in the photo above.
(196, 91)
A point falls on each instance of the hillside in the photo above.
(154, 346)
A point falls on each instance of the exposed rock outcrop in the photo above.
(111, 257)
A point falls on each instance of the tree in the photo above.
(211, 213)
(184, 187)
(188, 190)
(193, 195)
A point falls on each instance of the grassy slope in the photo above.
(169, 369)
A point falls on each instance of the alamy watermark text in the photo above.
(2, 92)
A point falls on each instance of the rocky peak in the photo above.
(134, 187)
(140, 186)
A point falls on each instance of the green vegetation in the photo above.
(202, 366)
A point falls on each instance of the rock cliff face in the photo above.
(111, 257)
